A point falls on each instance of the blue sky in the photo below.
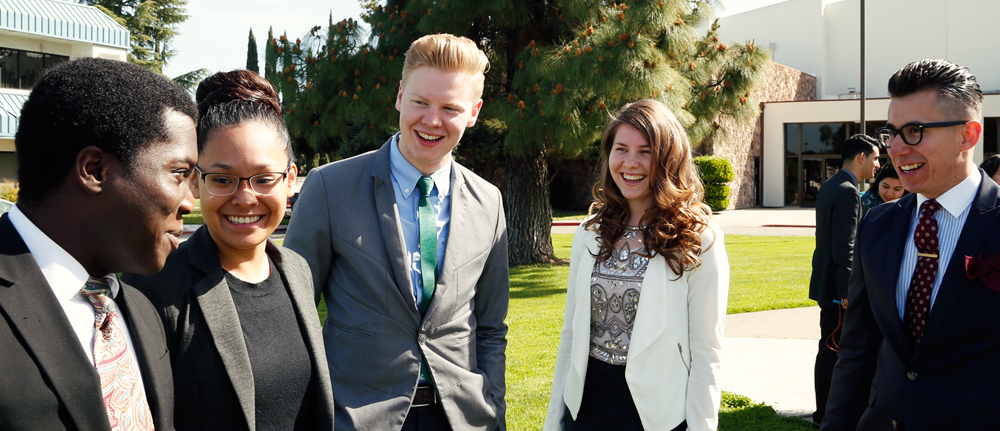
(215, 36)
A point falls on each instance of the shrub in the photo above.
(714, 190)
(714, 169)
(714, 172)
(8, 191)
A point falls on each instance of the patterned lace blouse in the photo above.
(615, 285)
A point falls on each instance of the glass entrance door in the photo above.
(812, 178)
(815, 171)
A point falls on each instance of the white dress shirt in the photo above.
(66, 278)
(955, 205)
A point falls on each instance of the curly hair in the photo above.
(672, 225)
(116, 106)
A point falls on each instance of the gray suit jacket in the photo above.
(46, 380)
(838, 207)
(213, 379)
(346, 225)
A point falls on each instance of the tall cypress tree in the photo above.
(252, 62)
(558, 69)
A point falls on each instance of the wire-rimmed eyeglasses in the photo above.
(912, 133)
(225, 184)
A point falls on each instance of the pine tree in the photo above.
(558, 70)
(252, 62)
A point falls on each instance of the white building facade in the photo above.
(35, 35)
(801, 140)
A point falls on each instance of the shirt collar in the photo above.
(959, 197)
(64, 274)
(851, 174)
(406, 174)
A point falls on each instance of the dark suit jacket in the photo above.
(213, 379)
(46, 380)
(952, 380)
(838, 206)
(346, 226)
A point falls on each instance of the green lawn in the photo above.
(537, 301)
(558, 215)
(767, 273)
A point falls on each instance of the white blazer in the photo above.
(674, 359)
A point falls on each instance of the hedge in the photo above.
(714, 169)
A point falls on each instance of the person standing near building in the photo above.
(106, 150)
(409, 249)
(921, 338)
(838, 208)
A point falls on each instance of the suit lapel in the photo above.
(388, 218)
(36, 314)
(304, 303)
(219, 310)
(651, 318)
(455, 254)
(148, 356)
(891, 249)
(982, 216)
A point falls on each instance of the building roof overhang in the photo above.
(62, 20)
(11, 102)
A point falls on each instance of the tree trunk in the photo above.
(529, 213)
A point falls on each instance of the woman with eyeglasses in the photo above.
(239, 311)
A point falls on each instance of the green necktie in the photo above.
(428, 241)
(428, 252)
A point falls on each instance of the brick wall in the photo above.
(741, 144)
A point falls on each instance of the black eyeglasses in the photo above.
(224, 184)
(912, 134)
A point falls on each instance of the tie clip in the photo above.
(932, 256)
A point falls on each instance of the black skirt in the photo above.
(607, 403)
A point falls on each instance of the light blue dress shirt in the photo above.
(404, 187)
(955, 205)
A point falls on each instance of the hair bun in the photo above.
(237, 85)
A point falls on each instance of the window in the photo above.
(21, 69)
(812, 155)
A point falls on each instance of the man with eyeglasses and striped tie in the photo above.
(920, 348)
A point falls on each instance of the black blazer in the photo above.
(838, 206)
(213, 380)
(46, 380)
(952, 380)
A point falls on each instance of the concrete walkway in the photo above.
(768, 356)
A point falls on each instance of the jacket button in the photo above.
(895, 425)
(912, 375)
(422, 338)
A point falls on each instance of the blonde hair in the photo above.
(451, 53)
(675, 220)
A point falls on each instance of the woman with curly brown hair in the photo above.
(648, 284)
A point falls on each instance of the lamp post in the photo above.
(863, 129)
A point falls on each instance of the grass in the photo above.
(739, 413)
(558, 215)
(767, 273)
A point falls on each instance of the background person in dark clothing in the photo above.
(240, 315)
(838, 208)
(992, 167)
